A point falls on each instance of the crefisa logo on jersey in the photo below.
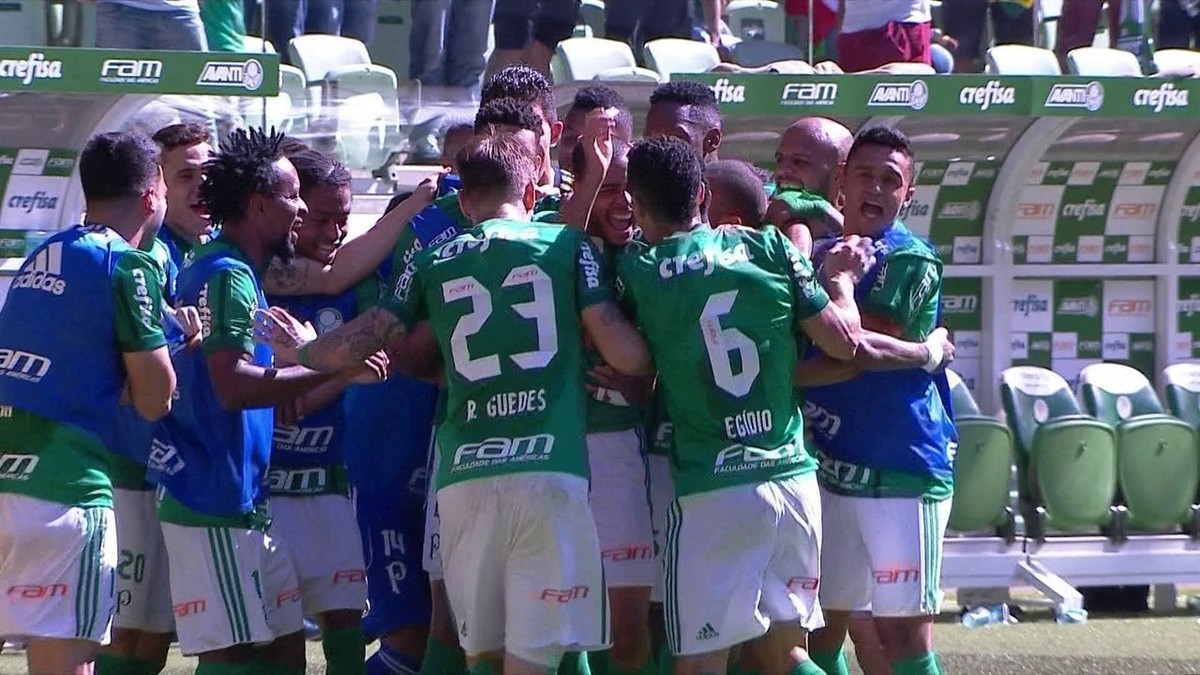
(248, 74)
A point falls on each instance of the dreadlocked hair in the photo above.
(244, 166)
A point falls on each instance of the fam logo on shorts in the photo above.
(248, 74)
(1089, 97)
(913, 95)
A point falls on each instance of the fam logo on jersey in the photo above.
(1166, 96)
(745, 458)
(729, 93)
(496, 451)
(914, 95)
(1089, 97)
(809, 93)
(248, 74)
(991, 94)
(33, 67)
(17, 466)
(131, 71)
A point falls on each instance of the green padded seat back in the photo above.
(961, 398)
(1113, 393)
(1033, 396)
(1181, 386)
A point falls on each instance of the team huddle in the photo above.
(646, 411)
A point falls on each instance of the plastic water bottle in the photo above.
(981, 617)
(1072, 616)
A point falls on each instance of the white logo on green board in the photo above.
(1087, 306)
(991, 94)
(1190, 305)
(729, 93)
(1088, 96)
(1165, 96)
(248, 74)
(1190, 213)
(809, 93)
(131, 71)
(1088, 209)
(914, 95)
(33, 67)
(960, 210)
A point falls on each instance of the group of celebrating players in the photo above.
(652, 411)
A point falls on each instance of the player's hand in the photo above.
(372, 371)
(940, 339)
(189, 318)
(597, 140)
(852, 256)
(284, 333)
(634, 390)
(828, 68)
(288, 414)
(427, 190)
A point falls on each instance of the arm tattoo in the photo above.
(351, 344)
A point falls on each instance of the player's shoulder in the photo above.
(901, 243)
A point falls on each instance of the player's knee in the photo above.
(287, 650)
(905, 638)
(340, 618)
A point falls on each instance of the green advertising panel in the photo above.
(1089, 212)
(932, 95)
(962, 313)
(1186, 344)
(948, 206)
(1189, 222)
(1067, 324)
(107, 71)
(33, 182)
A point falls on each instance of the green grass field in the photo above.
(1038, 646)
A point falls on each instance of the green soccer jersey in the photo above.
(65, 464)
(503, 301)
(720, 309)
(607, 409)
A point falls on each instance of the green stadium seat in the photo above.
(1021, 60)
(1103, 62)
(673, 56)
(756, 20)
(628, 75)
(982, 467)
(579, 59)
(1066, 460)
(1177, 61)
(1181, 391)
(755, 53)
(362, 133)
(1158, 466)
(292, 83)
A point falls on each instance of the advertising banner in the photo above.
(110, 71)
(1189, 222)
(1089, 212)
(33, 181)
(962, 313)
(948, 207)
(1066, 324)
(1186, 343)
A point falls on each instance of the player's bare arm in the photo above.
(597, 141)
(150, 379)
(877, 351)
(619, 343)
(416, 354)
(346, 348)
(356, 258)
(239, 384)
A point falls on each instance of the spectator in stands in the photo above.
(150, 24)
(965, 21)
(632, 21)
(224, 24)
(1179, 24)
(447, 44)
(824, 25)
(528, 31)
(286, 19)
(1078, 23)
(878, 32)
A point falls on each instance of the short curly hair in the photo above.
(596, 96)
(118, 165)
(521, 82)
(665, 175)
(183, 135)
(703, 108)
(508, 111)
(244, 166)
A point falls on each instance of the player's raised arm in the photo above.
(344, 348)
(615, 337)
(830, 318)
(356, 258)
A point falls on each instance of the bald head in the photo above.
(809, 153)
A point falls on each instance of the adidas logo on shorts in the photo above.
(707, 632)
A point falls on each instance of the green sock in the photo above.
(111, 664)
(807, 668)
(666, 661)
(599, 663)
(574, 663)
(833, 663)
(345, 651)
(647, 668)
(483, 668)
(925, 664)
(442, 658)
(252, 668)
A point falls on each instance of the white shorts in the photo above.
(522, 566)
(740, 558)
(886, 556)
(321, 535)
(57, 565)
(431, 554)
(230, 586)
(662, 493)
(143, 576)
(620, 502)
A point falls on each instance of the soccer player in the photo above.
(232, 584)
(688, 111)
(62, 380)
(746, 523)
(505, 302)
(526, 84)
(737, 196)
(309, 486)
(587, 99)
(887, 496)
(807, 160)
(144, 625)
